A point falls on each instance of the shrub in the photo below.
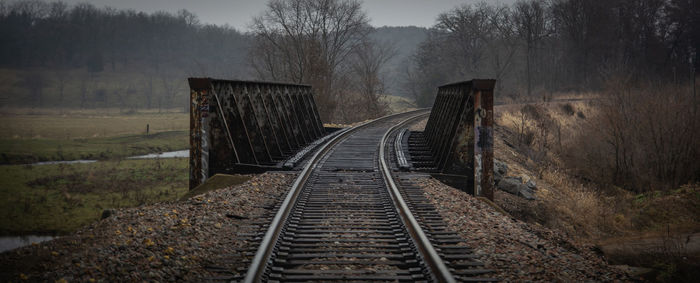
(643, 137)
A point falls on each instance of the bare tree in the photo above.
(307, 41)
(530, 21)
(470, 41)
(428, 71)
(503, 46)
(467, 30)
(367, 69)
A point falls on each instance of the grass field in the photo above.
(24, 151)
(61, 198)
(57, 124)
(28, 135)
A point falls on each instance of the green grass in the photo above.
(62, 198)
(31, 135)
(21, 151)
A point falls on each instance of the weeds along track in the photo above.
(345, 219)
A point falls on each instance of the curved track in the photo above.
(346, 219)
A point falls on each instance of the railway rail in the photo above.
(352, 216)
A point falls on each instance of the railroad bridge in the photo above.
(354, 205)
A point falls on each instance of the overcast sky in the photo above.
(238, 13)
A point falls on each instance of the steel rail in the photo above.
(400, 157)
(262, 255)
(430, 256)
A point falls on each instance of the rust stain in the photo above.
(459, 132)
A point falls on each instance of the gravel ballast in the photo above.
(178, 241)
(516, 250)
(189, 240)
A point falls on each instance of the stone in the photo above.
(500, 167)
(515, 186)
(526, 193)
(510, 185)
(531, 184)
(499, 170)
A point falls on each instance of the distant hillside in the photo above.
(58, 55)
(405, 40)
(80, 56)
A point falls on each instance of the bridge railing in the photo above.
(459, 133)
(247, 126)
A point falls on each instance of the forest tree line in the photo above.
(81, 56)
(533, 48)
(636, 59)
(62, 55)
(103, 57)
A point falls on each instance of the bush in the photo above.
(537, 132)
(643, 137)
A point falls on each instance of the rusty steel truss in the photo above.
(245, 126)
(459, 134)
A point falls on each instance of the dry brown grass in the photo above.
(575, 194)
(573, 203)
(642, 137)
(575, 95)
(509, 116)
(581, 210)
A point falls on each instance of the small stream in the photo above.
(64, 162)
(171, 154)
(12, 242)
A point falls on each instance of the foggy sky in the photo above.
(238, 13)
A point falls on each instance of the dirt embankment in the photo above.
(588, 216)
(655, 229)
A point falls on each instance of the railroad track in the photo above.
(348, 217)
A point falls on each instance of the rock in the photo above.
(107, 213)
(510, 185)
(515, 186)
(499, 170)
(526, 193)
(500, 167)
(497, 179)
(531, 184)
